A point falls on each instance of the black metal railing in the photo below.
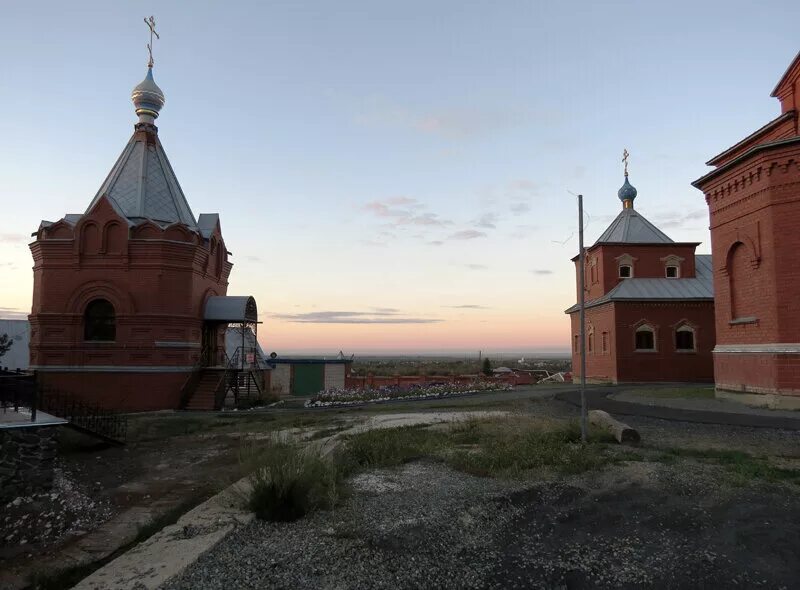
(90, 418)
(23, 393)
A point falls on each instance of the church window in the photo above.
(684, 338)
(625, 271)
(99, 322)
(672, 272)
(577, 343)
(590, 341)
(604, 343)
(645, 338)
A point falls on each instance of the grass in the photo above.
(498, 447)
(742, 467)
(677, 392)
(288, 481)
(514, 447)
(387, 447)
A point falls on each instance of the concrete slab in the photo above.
(167, 553)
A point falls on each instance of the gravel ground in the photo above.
(425, 526)
(39, 520)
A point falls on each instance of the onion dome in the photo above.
(147, 98)
(627, 193)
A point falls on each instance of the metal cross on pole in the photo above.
(151, 24)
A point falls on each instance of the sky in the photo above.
(390, 177)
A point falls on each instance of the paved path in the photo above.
(597, 399)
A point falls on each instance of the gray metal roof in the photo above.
(630, 227)
(206, 224)
(241, 308)
(142, 184)
(700, 288)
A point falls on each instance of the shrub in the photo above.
(288, 481)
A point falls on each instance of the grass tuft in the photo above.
(512, 449)
(387, 447)
(289, 481)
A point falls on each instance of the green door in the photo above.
(308, 379)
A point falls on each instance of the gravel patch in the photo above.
(426, 526)
(44, 519)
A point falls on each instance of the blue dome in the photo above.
(147, 96)
(627, 192)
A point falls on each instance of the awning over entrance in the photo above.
(239, 309)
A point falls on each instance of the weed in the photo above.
(386, 447)
(289, 481)
(742, 466)
(513, 452)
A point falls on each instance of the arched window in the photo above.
(99, 322)
(645, 338)
(590, 340)
(684, 338)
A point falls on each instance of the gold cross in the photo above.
(151, 24)
(625, 156)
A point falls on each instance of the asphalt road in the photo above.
(597, 399)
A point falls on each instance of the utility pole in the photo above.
(582, 303)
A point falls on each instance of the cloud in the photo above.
(520, 207)
(467, 234)
(13, 238)
(676, 220)
(13, 313)
(251, 258)
(401, 201)
(454, 124)
(476, 266)
(487, 220)
(523, 231)
(467, 306)
(408, 214)
(435, 243)
(522, 185)
(387, 310)
(542, 271)
(353, 317)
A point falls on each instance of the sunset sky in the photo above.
(390, 176)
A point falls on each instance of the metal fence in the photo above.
(20, 392)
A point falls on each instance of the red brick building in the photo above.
(649, 305)
(753, 196)
(127, 296)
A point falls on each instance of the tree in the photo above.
(5, 344)
(487, 367)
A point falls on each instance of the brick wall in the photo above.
(623, 363)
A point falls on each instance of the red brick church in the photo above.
(649, 304)
(129, 297)
(753, 197)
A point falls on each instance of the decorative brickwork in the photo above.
(753, 196)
